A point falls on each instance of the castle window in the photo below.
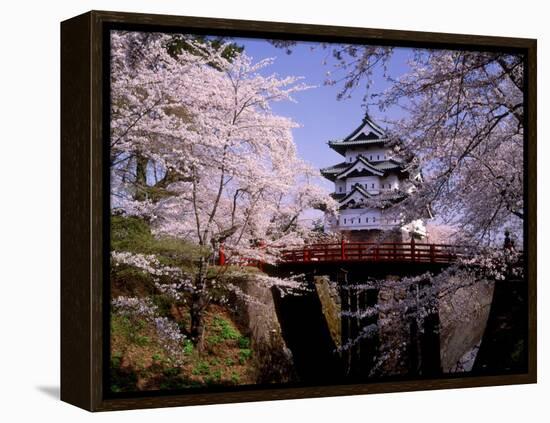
(367, 220)
(344, 221)
(370, 157)
(378, 157)
(340, 189)
(373, 219)
(372, 185)
(359, 220)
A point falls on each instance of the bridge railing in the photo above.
(413, 252)
(377, 252)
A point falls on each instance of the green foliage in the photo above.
(163, 304)
(202, 368)
(244, 355)
(214, 378)
(133, 234)
(244, 342)
(130, 234)
(235, 378)
(129, 330)
(188, 347)
(225, 329)
(141, 340)
(116, 359)
(171, 372)
(178, 44)
(214, 340)
(121, 379)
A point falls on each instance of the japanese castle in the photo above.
(369, 180)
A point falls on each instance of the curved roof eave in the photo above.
(366, 163)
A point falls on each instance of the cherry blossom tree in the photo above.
(463, 122)
(229, 171)
(462, 126)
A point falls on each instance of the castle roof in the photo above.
(367, 133)
(358, 192)
(361, 164)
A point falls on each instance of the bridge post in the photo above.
(412, 249)
(221, 256)
(343, 249)
(432, 253)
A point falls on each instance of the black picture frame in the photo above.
(85, 193)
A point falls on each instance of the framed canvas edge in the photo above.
(82, 193)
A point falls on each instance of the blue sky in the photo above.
(322, 117)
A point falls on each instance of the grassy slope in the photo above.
(138, 361)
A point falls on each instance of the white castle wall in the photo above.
(372, 154)
(364, 218)
(340, 186)
(373, 184)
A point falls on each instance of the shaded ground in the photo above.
(307, 335)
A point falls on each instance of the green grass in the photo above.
(202, 368)
(134, 235)
(214, 340)
(214, 377)
(188, 347)
(224, 329)
(129, 329)
(244, 355)
(244, 342)
(235, 378)
(116, 359)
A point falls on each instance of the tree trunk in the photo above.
(141, 177)
(198, 306)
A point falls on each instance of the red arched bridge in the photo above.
(344, 251)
